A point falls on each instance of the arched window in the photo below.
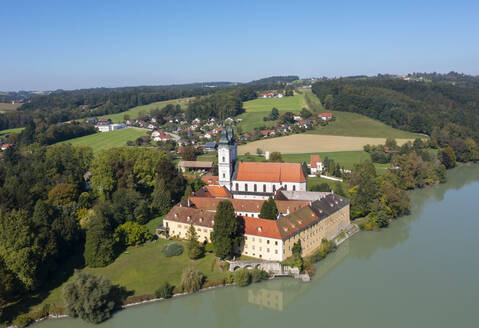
(223, 159)
(245, 187)
(274, 188)
(294, 187)
(237, 186)
(264, 188)
(224, 175)
(255, 188)
(285, 187)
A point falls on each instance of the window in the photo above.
(294, 187)
(276, 251)
(245, 238)
(255, 188)
(267, 242)
(245, 187)
(267, 250)
(264, 188)
(237, 186)
(224, 159)
(260, 249)
(253, 247)
(274, 188)
(224, 175)
(276, 243)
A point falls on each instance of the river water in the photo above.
(422, 271)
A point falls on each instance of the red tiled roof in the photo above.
(210, 179)
(326, 115)
(218, 191)
(314, 160)
(261, 227)
(270, 172)
(246, 205)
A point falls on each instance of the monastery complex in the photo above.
(306, 216)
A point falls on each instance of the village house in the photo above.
(315, 164)
(110, 127)
(103, 121)
(184, 166)
(325, 116)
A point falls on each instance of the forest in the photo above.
(448, 113)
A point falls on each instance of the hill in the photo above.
(105, 140)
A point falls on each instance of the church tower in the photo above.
(227, 156)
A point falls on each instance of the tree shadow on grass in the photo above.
(27, 303)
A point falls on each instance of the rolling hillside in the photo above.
(104, 140)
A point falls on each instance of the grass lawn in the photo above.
(258, 108)
(15, 130)
(313, 102)
(356, 125)
(135, 111)
(104, 140)
(143, 269)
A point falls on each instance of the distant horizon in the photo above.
(72, 45)
(228, 81)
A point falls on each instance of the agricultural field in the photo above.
(7, 107)
(256, 109)
(307, 143)
(143, 269)
(135, 111)
(104, 140)
(356, 125)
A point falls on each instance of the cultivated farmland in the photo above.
(104, 140)
(6, 107)
(307, 143)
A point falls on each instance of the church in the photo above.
(254, 180)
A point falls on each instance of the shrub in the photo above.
(225, 266)
(209, 248)
(173, 249)
(258, 275)
(191, 280)
(92, 298)
(22, 320)
(137, 298)
(230, 278)
(165, 291)
(242, 277)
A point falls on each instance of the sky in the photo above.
(48, 45)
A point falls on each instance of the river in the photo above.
(422, 271)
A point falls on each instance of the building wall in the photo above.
(311, 238)
(180, 230)
(262, 247)
(270, 186)
(225, 165)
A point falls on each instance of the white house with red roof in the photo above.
(315, 164)
(325, 116)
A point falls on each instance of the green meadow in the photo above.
(104, 140)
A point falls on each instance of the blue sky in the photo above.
(77, 44)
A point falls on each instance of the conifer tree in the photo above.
(161, 201)
(226, 235)
(101, 248)
(195, 250)
(269, 210)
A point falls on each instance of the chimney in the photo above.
(189, 203)
(287, 212)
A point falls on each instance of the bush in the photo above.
(165, 291)
(258, 275)
(225, 266)
(22, 320)
(173, 249)
(137, 298)
(191, 280)
(209, 248)
(242, 277)
(92, 298)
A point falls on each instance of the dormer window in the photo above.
(259, 229)
(201, 219)
(188, 218)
